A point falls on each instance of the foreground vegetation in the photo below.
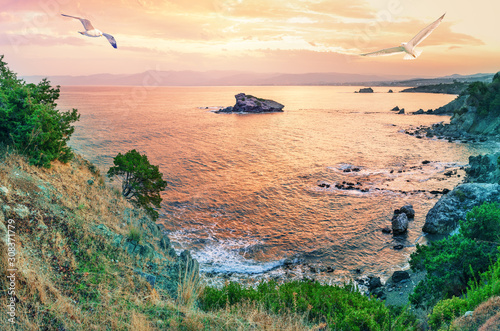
(463, 271)
(332, 307)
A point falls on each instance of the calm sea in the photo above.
(243, 190)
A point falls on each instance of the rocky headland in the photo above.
(250, 104)
(475, 119)
(443, 88)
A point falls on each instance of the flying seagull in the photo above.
(90, 31)
(409, 47)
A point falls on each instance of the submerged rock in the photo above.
(250, 104)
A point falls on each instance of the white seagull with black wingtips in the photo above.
(90, 31)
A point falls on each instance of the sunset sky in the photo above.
(288, 36)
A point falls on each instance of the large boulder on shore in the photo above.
(250, 104)
(444, 217)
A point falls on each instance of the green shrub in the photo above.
(341, 308)
(487, 287)
(134, 234)
(30, 122)
(485, 97)
(446, 311)
(482, 223)
(454, 261)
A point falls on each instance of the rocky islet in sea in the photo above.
(249, 104)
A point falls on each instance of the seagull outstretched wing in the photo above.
(386, 51)
(86, 23)
(425, 32)
(111, 39)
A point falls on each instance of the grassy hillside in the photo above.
(72, 275)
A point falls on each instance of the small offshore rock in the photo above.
(399, 223)
(366, 90)
(398, 276)
(250, 104)
(395, 109)
(399, 247)
(408, 210)
(386, 230)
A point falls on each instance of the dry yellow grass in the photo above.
(486, 317)
(69, 277)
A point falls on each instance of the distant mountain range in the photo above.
(235, 78)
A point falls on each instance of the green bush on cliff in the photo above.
(142, 182)
(340, 308)
(30, 122)
(478, 291)
(452, 262)
(486, 97)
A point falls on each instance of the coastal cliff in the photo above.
(475, 112)
(475, 118)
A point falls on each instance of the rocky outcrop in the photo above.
(452, 107)
(158, 262)
(250, 104)
(483, 169)
(444, 217)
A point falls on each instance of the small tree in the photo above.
(142, 182)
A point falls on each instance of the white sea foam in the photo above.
(227, 256)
